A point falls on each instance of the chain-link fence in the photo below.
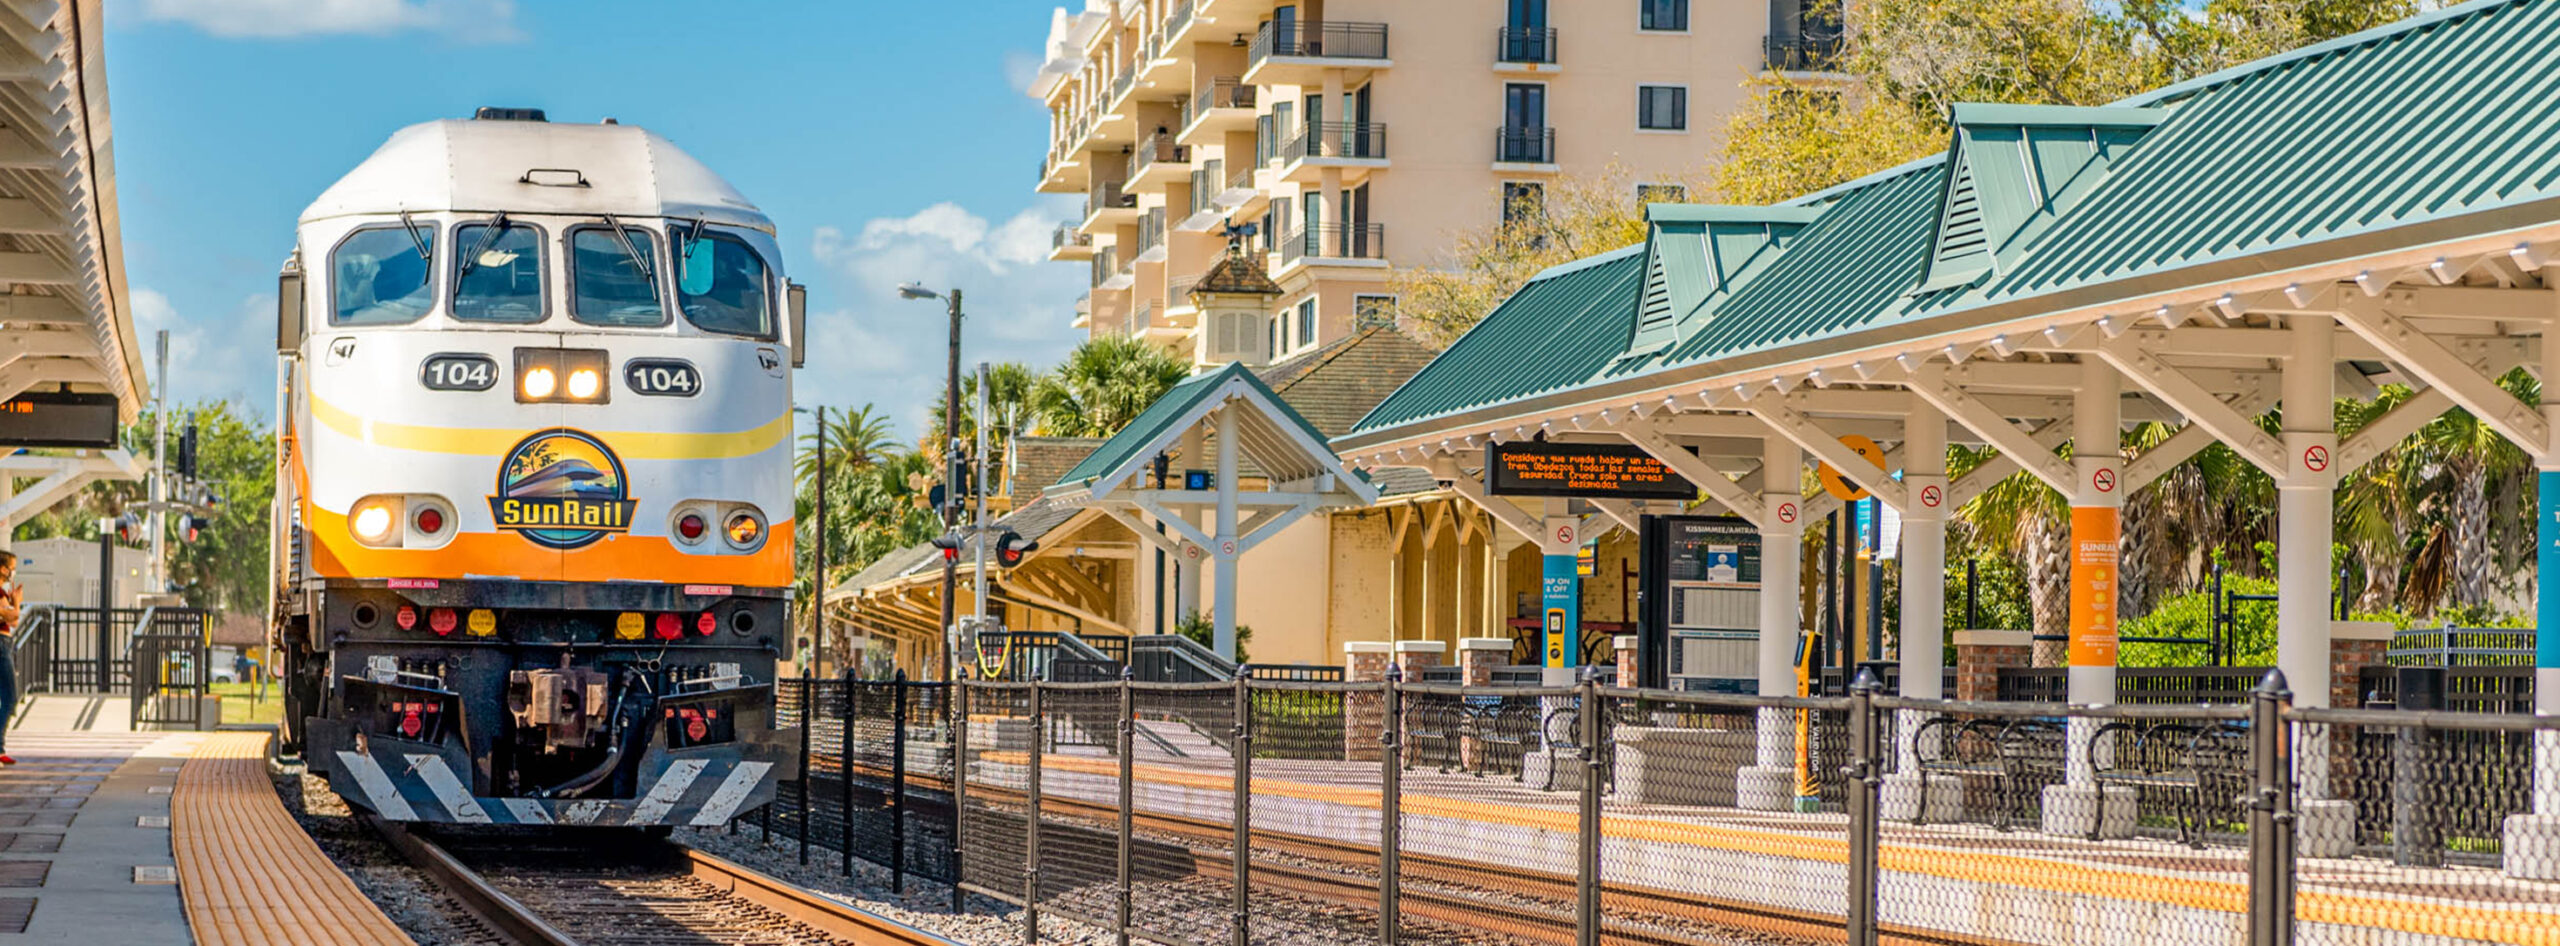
(1435, 813)
(876, 761)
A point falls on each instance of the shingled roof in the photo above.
(1335, 385)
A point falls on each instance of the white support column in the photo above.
(1924, 598)
(1186, 578)
(2305, 506)
(1226, 552)
(2097, 497)
(1769, 783)
(2532, 848)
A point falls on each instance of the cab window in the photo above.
(380, 277)
(497, 273)
(721, 283)
(613, 282)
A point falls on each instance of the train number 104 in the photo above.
(664, 377)
(459, 372)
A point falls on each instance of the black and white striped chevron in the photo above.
(422, 787)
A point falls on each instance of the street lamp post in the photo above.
(950, 465)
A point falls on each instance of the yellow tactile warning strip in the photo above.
(247, 872)
(2523, 927)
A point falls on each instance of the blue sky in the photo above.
(889, 141)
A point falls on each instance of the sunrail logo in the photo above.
(563, 489)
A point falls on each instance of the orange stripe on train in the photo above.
(336, 554)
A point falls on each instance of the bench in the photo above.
(2180, 757)
(2013, 752)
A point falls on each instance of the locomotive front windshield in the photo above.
(721, 283)
(499, 275)
(383, 276)
(614, 282)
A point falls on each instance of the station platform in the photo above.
(1941, 882)
(147, 838)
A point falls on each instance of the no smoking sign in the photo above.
(1786, 512)
(2104, 480)
(1930, 496)
(2316, 458)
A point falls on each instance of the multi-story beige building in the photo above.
(1346, 134)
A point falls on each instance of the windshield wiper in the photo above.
(495, 226)
(622, 235)
(426, 254)
(694, 235)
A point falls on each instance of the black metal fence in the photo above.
(876, 783)
(170, 660)
(2137, 686)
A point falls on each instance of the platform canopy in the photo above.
(2380, 208)
(66, 319)
(1227, 425)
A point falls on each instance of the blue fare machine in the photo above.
(1698, 625)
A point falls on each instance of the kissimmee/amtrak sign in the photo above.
(1581, 470)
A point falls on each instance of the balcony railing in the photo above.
(1524, 145)
(1067, 236)
(1525, 44)
(1157, 148)
(1335, 241)
(1127, 79)
(1107, 195)
(1329, 40)
(1803, 53)
(1242, 178)
(1221, 92)
(1178, 292)
(1178, 17)
(1339, 140)
(1144, 317)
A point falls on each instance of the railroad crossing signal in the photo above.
(1012, 547)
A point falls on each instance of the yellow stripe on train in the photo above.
(490, 442)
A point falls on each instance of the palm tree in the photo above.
(2471, 468)
(2378, 508)
(854, 439)
(1103, 385)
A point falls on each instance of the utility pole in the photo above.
(978, 523)
(950, 495)
(818, 585)
(159, 493)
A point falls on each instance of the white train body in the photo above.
(535, 477)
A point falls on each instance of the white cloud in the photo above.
(486, 21)
(210, 358)
(1020, 70)
(867, 345)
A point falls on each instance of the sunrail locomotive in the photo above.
(534, 497)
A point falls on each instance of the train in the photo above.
(534, 504)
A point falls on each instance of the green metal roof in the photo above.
(2449, 119)
(1276, 438)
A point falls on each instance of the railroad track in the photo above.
(559, 889)
(1521, 904)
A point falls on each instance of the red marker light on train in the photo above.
(406, 617)
(667, 628)
(706, 624)
(691, 527)
(430, 520)
(442, 621)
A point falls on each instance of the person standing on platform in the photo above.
(12, 601)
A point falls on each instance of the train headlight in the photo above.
(745, 530)
(539, 383)
(375, 520)
(584, 383)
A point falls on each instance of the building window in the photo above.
(1662, 107)
(1523, 201)
(1373, 310)
(1660, 194)
(1307, 321)
(1664, 14)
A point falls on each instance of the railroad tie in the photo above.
(247, 873)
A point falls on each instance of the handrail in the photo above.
(1184, 650)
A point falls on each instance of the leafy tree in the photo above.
(854, 439)
(1103, 385)
(226, 566)
(1570, 218)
